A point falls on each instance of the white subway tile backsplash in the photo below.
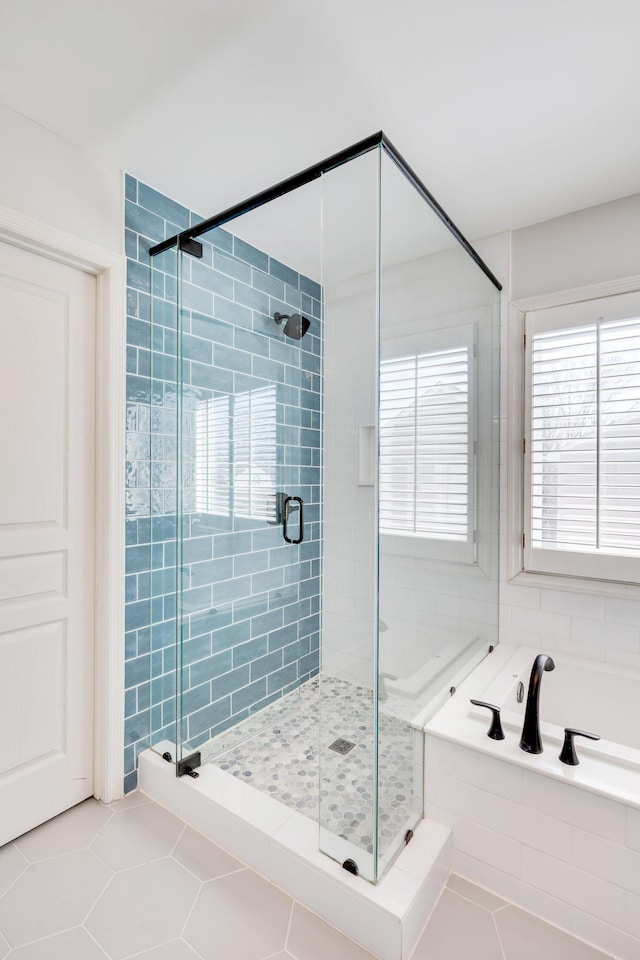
(588, 651)
(606, 633)
(514, 595)
(451, 606)
(589, 625)
(623, 611)
(575, 604)
(632, 915)
(343, 606)
(621, 658)
(575, 807)
(517, 891)
(432, 758)
(485, 772)
(486, 845)
(515, 636)
(493, 812)
(610, 861)
(573, 885)
(633, 828)
(543, 622)
(616, 942)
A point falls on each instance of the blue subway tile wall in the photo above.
(250, 603)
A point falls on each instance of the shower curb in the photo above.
(282, 846)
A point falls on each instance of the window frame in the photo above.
(514, 570)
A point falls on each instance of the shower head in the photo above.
(296, 325)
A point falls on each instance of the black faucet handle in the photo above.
(495, 730)
(568, 753)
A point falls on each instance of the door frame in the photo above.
(109, 269)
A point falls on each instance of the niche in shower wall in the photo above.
(250, 605)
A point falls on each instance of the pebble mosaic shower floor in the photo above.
(277, 751)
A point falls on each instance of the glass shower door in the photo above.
(247, 508)
(437, 477)
(348, 808)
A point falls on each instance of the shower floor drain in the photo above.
(342, 746)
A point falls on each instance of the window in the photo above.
(425, 448)
(582, 440)
(236, 454)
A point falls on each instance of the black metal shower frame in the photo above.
(185, 239)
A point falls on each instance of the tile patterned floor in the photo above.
(285, 752)
(131, 880)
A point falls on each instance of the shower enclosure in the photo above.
(324, 457)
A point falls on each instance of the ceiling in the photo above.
(511, 112)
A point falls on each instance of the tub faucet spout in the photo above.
(531, 741)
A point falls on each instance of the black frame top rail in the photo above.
(312, 173)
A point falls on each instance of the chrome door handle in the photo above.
(286, 510)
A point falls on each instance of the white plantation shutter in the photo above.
(425, 445)
(582, 506)
(619, 517)
(564, 403)
(213, 456)
(236, 454)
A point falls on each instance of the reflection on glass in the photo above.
(425, 446)
(236, 454)
(437, 470)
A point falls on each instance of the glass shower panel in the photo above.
(348, 705)
(437, 440)
(248, 599)
(162, 426)
(322, 444)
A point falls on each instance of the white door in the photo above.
(47, 425)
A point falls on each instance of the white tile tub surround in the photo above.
(282, 845)
(585, 625)
(551, 838)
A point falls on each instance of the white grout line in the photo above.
(475, 902)
(286, 939)
(191, 908)
(98, 899)
(66, 853)
(180, 836)
(500, 944)
(157, 946)
(220, 876)
(27, 864)
(191, 947)
(98, 945)
(48, 936)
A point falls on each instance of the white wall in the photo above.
(584, 247)
(54, 181)
(590, 246)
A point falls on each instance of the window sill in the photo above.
(552, 581)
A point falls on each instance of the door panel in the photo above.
(47, 480)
